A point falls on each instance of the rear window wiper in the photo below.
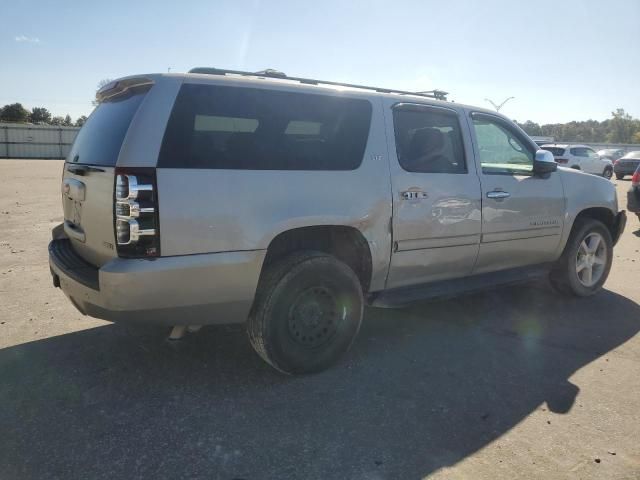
(82, 169)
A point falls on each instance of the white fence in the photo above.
(19, 140)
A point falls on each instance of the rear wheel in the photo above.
(608, 173)
(585, 263)
(619, 176)
(307, 312)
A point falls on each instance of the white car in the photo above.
(580, 157)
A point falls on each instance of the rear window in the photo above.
(556, 151)
(221, 127)
(100, 138)
(633, 155)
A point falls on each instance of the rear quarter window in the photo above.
(219, 127)
(100, 139)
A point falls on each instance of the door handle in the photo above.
(497, 194)
(414, 195)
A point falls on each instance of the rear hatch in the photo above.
(89, 172)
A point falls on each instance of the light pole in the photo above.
(498, 107)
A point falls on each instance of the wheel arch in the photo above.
(346, 243)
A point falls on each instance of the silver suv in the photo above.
(290, 204)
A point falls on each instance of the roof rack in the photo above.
(271, 73)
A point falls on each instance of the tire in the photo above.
(619, 176)
(565, 277)
(307, 312)
(608, 173)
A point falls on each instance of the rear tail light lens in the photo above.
(136, 212)
(635, 179)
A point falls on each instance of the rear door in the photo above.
(88, 177)
(436, 195)
(596, 166)
(522, 214)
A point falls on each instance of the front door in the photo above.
(522, 214)
(436, 195)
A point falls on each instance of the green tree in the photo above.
(57, 121)
(39, 115)
(67, 121)
(622, 127)
(81, 120)
(14, 113)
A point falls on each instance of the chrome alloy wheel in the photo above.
(591, 259)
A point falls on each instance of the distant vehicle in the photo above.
(627, 165)
(542, 140)
(232, 197)
(612, 154)
(580, 157)
(633, 195)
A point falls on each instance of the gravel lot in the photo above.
(514, 383)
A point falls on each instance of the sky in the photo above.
(561, 60)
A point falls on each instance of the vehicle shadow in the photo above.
(422, 388)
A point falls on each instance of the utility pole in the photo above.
(496, 106)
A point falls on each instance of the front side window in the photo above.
(501, 148)
(428, 140)
(219, 127)
(591, 153)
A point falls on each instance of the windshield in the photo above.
(634, 155)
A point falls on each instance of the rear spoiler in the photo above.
(119, 87)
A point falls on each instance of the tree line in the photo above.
(620, 128)
(16, 113)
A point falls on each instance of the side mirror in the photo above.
(544, 163)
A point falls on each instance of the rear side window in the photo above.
(556, 151)
(100, 139)
(579, 152)
(428, 140)
(220, 127)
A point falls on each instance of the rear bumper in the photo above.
(625, 169)
(618, 225)
(215, 288)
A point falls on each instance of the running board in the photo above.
(400, 297)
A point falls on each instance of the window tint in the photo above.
(502, 149)
(241, 128)
(556, 151)
(100, 138)
(579, 152)
(428, 140)
(591, 153)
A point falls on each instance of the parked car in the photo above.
(633, 195)
(289, 204)
(580, 157)
(612, 154)
(627, 165)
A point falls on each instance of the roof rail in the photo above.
(271, 73)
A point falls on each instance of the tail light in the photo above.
(635, 179)
(135, 211)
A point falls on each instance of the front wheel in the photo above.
(586, 261)
(307, 312)
(608, 173)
